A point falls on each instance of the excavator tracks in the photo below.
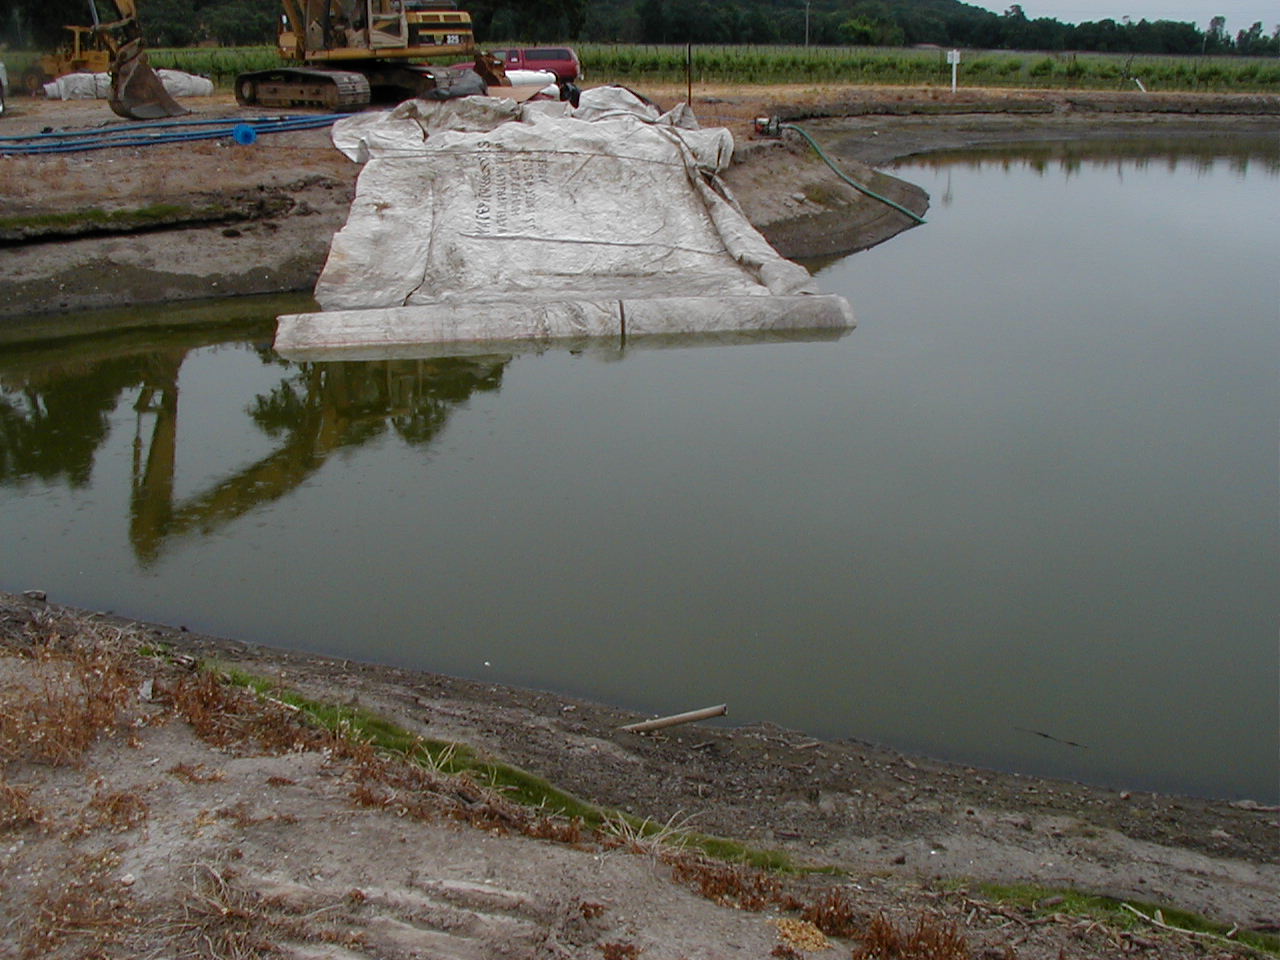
(334, 90)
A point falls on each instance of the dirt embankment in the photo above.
(206, 219)
(203, 821)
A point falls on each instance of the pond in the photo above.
(1024, 516)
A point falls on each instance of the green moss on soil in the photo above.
(516, 784)
(95, 217)
(1044, 901)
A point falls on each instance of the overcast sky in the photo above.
(1240, 14)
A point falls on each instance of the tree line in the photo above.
(176, 23)
(907, 23)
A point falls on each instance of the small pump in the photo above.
(770, 127)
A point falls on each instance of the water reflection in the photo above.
(1240, 154)
(56, 404)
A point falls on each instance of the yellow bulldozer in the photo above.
(84, 52)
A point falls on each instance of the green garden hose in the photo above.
(843, 176)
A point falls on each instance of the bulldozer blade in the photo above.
(136, 90)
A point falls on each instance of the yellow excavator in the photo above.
(136, 91)
(343, 54)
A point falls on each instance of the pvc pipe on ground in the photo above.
(693, 716)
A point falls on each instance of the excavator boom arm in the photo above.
(136, 90)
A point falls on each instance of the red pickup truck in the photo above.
(562, 61)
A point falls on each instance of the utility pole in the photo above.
(806, 22)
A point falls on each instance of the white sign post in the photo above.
(953, 58)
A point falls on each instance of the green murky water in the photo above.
(1033, 494)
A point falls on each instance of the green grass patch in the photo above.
(515, 784)
(97, 217)
(1112, 911)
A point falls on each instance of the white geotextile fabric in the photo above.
(97, 86)
(486, 199)
(351, 333)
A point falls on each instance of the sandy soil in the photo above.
(200, 823)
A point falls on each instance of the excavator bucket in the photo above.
(136, 90)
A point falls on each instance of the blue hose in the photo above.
(241, 129)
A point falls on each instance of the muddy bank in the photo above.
(166, 223)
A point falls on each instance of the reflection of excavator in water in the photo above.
(324, 408)
(136, 90)
(343, 54)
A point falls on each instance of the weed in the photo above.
(120, 810)
(1127, 915)
(731, 884)
(834, 914)
(81, 695)
(224, 918)
(644, 836)
(571, 830)
(86, 901)
(16, 808)
(930, 939)
(241, 814)
(619, 951)
(226, 715)
(197, 773)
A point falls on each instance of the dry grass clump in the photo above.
(619, 951)
(241, 814)
(82, 686)
(930, 939)
(230, 716)
(119, 810)
(22, 177)
(732, 884)
(222, 919)
(423, 793)
(835, 915)
(197, 773)
(86, 902)
(571, 831)
(16, 808)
